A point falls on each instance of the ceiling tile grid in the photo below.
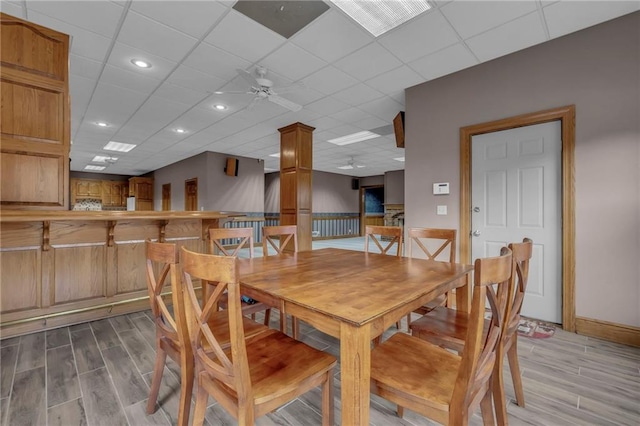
(344, 79)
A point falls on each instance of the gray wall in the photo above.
(332, 193)
(394, 187)
(596, 69)
(216, 190)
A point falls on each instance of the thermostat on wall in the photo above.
(441, 188)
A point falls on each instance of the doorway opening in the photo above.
(566, 116)
(166, 197)
(371, 206)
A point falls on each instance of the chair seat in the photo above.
(442, 326)
(247, 308)
(438, 301)
(421, 371)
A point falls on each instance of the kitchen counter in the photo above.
(63, 267)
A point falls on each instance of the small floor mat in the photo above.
(535, 329)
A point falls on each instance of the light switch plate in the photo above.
(441, 210)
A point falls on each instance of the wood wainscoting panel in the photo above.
(21, 234)
(79, 232)
(79, 273)
(130, 264)
(19, 274)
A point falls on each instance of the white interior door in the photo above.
(516, 193)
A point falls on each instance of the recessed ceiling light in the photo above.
(277, 155)
(218, 93)
(180, 130)
(399, 159)
(92, 167)
(118, 146)
(102, 124)
(104, 159)
(378, 17)
(140, 63)
(353, 138)
(220, 107)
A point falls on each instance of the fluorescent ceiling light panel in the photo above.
(104, 159)
(92, 167)
(118, 146)
(399, 159)
(380, 16)
(347, 167)
(353, 138)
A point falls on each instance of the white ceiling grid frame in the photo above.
(292, 62)
(446, 61)
(368, 62)
(567, 16)
(329, 80)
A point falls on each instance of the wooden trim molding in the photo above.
(566, 115)
(619, 333)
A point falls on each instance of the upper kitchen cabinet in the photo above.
(142, 189)
(35, 117)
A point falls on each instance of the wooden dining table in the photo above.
(353, 296)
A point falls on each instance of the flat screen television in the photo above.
(232, 166)
(398, 129)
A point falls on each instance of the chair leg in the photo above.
(400, 411)
(295, 328)
(158, 368)
(267, 317)
(486, 408)
(514, 367)
(497, 386)
(283, 323)
(186, 389)
(327, 400)
(201, 406)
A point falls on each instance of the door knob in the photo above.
(476, 209)
(475, 233)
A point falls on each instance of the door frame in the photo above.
(567, 116)
(362, 206)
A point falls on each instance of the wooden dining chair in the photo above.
(172, 335)
(254, 376)
(282, 238)
(434, 244)
(244, 237)
(392, 232)
(437, 383)
(447, 328)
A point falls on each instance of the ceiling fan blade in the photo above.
(286, 103)
(239, 92)
(253, 103)
(247, 76)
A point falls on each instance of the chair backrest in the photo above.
(394, 232)
(171, 326)
(286, 233)
(522, 253)
(218, 235)
(479, 354)
(424, 237)
(230, 366)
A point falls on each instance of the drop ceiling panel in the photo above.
(113, 104)
(515, 35)
(97, 17)
(567, 16)
(81, 90)
(129, 80)
(181, 94)
(326, 123)
(351, 115)
(84, 67)
(327, 106)
(122, 55)
(473, 17)
(13, 9)
(370, 123)
(397, 79)
(358, 94)
(368, 62)
(446, 61)
(193, 79)
(191, 17)
(303, 95)
(329, 80)
(384, 108)
(244, 37)
(292, 62)
(211, 60)
(154, 37)
(425, 34)
(332, 36)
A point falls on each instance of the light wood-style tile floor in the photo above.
(98, 373)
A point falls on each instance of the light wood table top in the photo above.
(353, 296)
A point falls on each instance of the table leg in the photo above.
(355, 368)
(463, 294)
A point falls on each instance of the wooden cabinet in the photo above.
(142, 189)
(114, 193)
(35, 116)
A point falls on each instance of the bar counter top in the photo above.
(38, 216)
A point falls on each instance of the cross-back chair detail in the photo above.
(287, 236)
(217, 237)
(172, 335)
(393, 232)
(433, 243)
(251, 376)
(436, 383)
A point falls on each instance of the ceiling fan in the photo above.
(351, 164)
(262, 88)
